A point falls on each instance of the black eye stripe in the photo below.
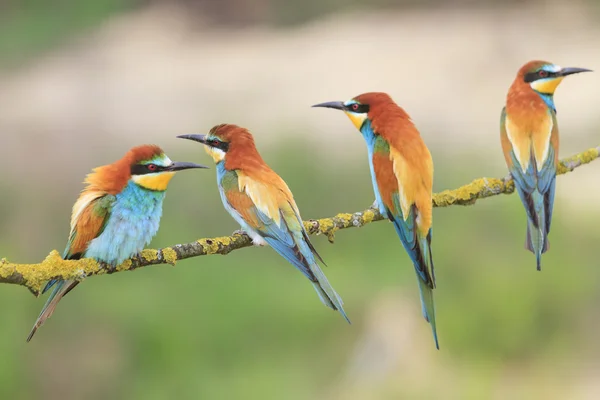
(358, 108)
(217, 144)
(142, 169)
(541, 74)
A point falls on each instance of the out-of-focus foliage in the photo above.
(285, 12)
(30, 27)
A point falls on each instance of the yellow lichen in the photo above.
(331, 235)
(325, 225)
(125, 266)
(36, 275)
(470, 191)
(579, 159)
(368, 216)
(169, 255)
(226, 241)
(589, 155)
(88, 266)
(150, 254)
(347, 218)
(468, 194)
(210, 246)
(54, 265)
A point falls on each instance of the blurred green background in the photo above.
(82, 82)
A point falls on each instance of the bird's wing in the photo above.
(88, 220)
(546, 156)
(548, 173)
(271, 212)
(405, 180)
(90, 214)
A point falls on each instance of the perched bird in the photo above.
(261, 202)
(116, 215)
(402, 175)
(529, 135)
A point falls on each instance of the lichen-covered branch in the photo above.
(488, 187)
(33, 276)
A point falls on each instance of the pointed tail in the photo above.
(60, 290)
(537, 234)
(426, 286)
(428, 307)
(326, 293)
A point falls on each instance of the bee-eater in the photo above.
(402, 176)
(116, 215)
(529, 136)
(261, 202)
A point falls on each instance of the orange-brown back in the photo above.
(411, 163)
(253, 171)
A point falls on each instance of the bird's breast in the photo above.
(133, 222)
(529, 132)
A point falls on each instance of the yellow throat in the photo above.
(158, 182)
(217, 154)
(546, 86)
(357, 119)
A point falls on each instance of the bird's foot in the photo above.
(110, 268)
(257, 240)
(375, 205)
(137, 258)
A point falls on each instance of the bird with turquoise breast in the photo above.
(261, 202)
(116, 215)
(402, 177)
(529, 137)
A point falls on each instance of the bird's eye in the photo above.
(543, 73)
(152, 167)
(354, 107)
(214, 142)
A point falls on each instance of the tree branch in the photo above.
(33, 276)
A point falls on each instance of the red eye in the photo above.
(354, 107)
(543, 73)
(152, 167)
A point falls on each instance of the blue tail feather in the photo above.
(537, 233)
(419, 250)
(61, 288)
(428, 308)
(328, 295)
(49, 285)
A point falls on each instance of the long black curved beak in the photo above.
(196, 138)
(571, 71)
(338, 105)
(180, 166)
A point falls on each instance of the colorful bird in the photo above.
(116, 215)
(402, 175)
(529, 135)
(261, 202)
